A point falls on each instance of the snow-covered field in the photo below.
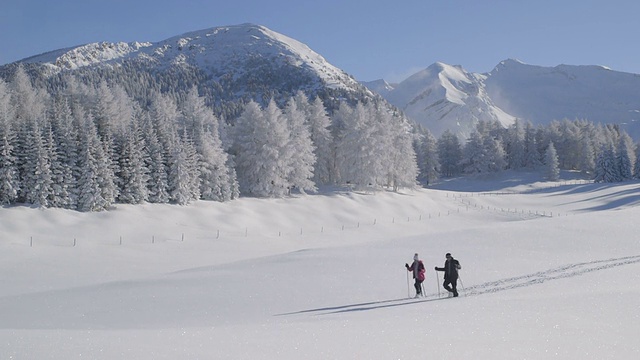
(550, 270)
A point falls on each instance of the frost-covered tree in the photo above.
(215, 180)
(66, 153)
(36, 178)
(625, 157)
(449, 154)
(606, 167)
(9, 178)
(551, 164)
(29, 103)
(426, 147)
(394, 151)
(473, 155)
(60, 195)
(90, 159)
(515, 145)
(158, 183)
(357, 161)
(184, 174)
(636, 168)
(587, 156)
(319, 124)
(133, 172)
(532, 157)
(300, 148)
(495, 155)
(338, 133)
(276, 165)
(260, 145)
(483, 153)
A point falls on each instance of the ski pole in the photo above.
(408, 286)
(438, 283)
(462, 283)
(424, 293)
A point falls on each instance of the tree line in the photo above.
(87, 145)
(604, 153)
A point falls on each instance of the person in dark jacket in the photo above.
(417, 268)
(451, 267)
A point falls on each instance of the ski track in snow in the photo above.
(563, 272)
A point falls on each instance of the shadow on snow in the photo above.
(562, 272)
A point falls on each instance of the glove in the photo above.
(436, 268)
(406, 265)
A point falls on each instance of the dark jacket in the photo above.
(451, 267)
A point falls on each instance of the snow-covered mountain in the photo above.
(380, 86)
(216, 49)
(542, 94)
(444, 97)
(226, 63)
(449, 97)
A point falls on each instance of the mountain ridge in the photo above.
(231, 64)
(442, 96)
(206, 48)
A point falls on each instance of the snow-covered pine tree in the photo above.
(319, 128)
(532, 157)
(158, 183)
(60, 192)
(338, 131)
(29, 102)
(449, 154)
(395, 156)
(277, 155)
(515, 145)
(66, 153)
(356, 150)
(636, 168)
(245, 146)
(215, 183)
(9, 178)
(624, 157)
(587, 156)
(133, 173)
(473, 156)
(184, 177)
(551, 164)
(426, 147)
(606, 167)
(260, 137)
(96, 182)
(495, 155)
(300, 148)
(89, 194)
(37, 178)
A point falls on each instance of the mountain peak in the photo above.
(214, 50)
(448, 97)
(508, 64)
(444, 96)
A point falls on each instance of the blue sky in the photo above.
(368, 39)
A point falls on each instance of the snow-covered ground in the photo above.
(550, 270)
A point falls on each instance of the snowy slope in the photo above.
(448, 97)
(550, 270)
